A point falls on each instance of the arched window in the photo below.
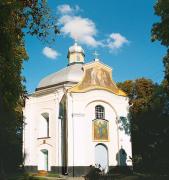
(99, 112)
(44, 125)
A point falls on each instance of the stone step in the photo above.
(42, 173)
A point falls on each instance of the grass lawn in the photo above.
(53, 175)
(142, 176)
(28, 177)
(134, 176)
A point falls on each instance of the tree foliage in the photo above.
(160, 108)
(17, 18)
(160, 32)
(149, 112)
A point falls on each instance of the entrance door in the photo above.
(43, 160)
(101, 157)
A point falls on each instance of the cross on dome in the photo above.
(96, 54)
(75, 41)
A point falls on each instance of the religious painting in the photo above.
(100, 130)
(97, 76)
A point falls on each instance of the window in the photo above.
(44, 125)
(47, 128)
(99, 112)
(78, 57)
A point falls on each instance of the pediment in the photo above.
(97, 76)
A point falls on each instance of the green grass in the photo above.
(53, 175)
(30, 176)
(142, 176)
(26, 176)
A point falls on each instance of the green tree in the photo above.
(160, 32)
(17, 18)
(149, 112)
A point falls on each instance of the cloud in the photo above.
(66, 9)
(50, 53)
(84, 30)
(81, 29)
(116, 41)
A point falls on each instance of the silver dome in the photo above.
(76, 48)
(73, 73)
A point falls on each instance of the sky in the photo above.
(119, 30)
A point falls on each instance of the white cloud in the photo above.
(81, 29)
(66, 9)
(84, 30)
(116, 41)
(50, 53)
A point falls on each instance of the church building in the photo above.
(72, 120)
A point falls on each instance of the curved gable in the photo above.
(97, 76)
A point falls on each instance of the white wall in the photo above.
(81, 112)
(81, 144)
(34, 133)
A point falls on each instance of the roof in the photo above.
(76, 48)
(94, 75)
(97, 76)
(73, 73)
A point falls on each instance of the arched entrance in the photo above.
(101, 157)
(43, 160)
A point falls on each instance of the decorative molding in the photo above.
(97, 76)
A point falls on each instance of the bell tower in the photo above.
(75, 54)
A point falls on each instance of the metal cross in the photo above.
(75, 40)
(96, 54)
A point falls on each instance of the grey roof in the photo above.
(72, 73)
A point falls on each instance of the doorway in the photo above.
(43, 160)
(101, 157)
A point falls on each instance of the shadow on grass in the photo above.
(124, 174)
(25, 176)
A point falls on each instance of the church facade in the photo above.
(72, 120)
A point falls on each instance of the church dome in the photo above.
(76, 49)
(75, 54)
(71, 74)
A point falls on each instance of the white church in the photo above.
(71, 121)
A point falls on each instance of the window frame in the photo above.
(99, 112)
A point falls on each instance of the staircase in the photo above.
(42, 173)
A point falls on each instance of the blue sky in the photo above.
(119, 30)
